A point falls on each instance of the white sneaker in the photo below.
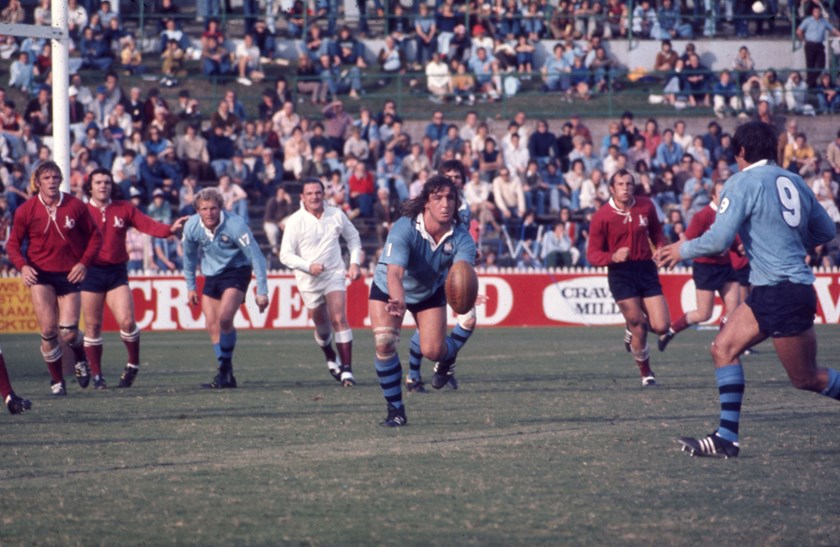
(244, 81)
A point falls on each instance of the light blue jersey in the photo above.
(426, 264)
(464, 213)
(231, 245)
(778, 218)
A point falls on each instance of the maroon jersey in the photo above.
(58, 240)
(113, 221)
(739, 261)
(699, 225)
(612, 229)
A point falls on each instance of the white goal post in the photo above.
(59, 35)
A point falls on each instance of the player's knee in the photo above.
(433, 352)
(226, 324)
(722, 353)
(386, 341)
(126, 326)
(50, 335)
(71, 335)
(659, 328)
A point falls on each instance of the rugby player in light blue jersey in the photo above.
(778, 218)
(228, 254)
(454, 170)
(411, 275)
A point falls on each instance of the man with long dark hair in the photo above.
(411, 275)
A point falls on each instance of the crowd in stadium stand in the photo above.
(532, 187)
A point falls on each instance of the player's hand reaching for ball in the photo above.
(316, 269)
(77, 274)
(262, 302)
(621, 255)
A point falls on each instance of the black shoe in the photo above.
(443, 371)
(17, 405)
(347, 379)
(99, 382)
(628, 338)
(713, 446)
(221, 381)
(453, 382)
(83, 374)
(335, 370)
(663, 340)
(58, 389)
(415, 386)
(396, 417)
(128, 375)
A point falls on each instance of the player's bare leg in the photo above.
(219, 315)
(324, 338)
(634, 315)
(121, 303)
(336, 310)
(386, 334)
(69, 310)
(44, 303)
(741, 332)
(798, 355)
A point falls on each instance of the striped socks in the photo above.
(730, 382)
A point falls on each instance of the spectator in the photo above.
(668, 153)
(317, 166)
(250, 143)
(362, 188)
(828, 94)
(826, 191)
(278, 207)
(236, 200)
(131, 60)
(171, 32)
(800, 157)
(286, 120)
(556, 71)
(268, 172)
(671, 24)
(556, 247)
(225, 119)
(238, 170)
(95, 50)
(39, 113)
(644, 22)
(356, 145)
(296, 150)
(391, 60)
(168, 254)
(220, 148)
(485, 67)
(388, 176)
(348, 54)
(385, 213)
(796, 94)
(215, 58)
(725, 97)
(696, 193)
(264, 40)
(832, 156)
(509, 197)
(700, 154)
(463, 84)
(315, 81)
(425, 40)
(438, 79)
(697, 81)
(813, 30)
(159, 209)
(22, 73)
(369, 131)
(337, 123)
(248, 61)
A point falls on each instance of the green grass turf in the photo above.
(550, 440)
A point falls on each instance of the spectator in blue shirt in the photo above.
(812, 30)
(668, 153)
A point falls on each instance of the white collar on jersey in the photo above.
(625, 213)
(212, 233)
(52, 212)
(759, 163)
(713, 205)
(421, 227)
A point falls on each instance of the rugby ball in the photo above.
(461, 287)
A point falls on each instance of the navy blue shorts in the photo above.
(102, 279)
(437, 300)
(633, 279)
(743, 276)
(712, 277)
(58, 281)
(786, 309)
(236, 278)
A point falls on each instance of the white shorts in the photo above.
(313, 293)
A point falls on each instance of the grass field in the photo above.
(550, 440)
